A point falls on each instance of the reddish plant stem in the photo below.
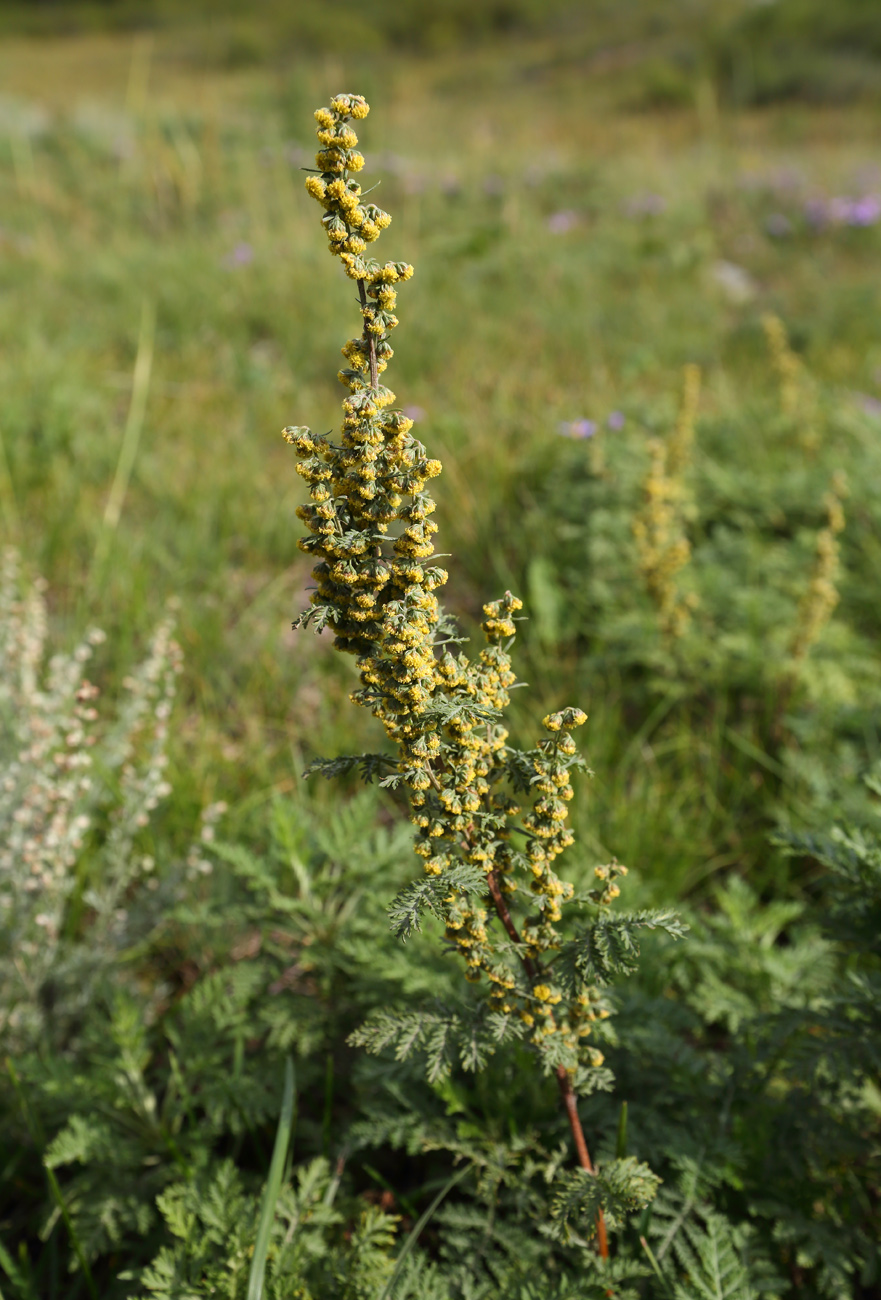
(564, 1083)
(571, 1104)
(371, 341)
(506, 920)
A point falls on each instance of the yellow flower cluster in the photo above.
(798, 398)
(350, 224)
(659, 529)
(370, 534)
(784, 361)
(821, 596)
(381, 604)
(574, 1025)
(446, 802)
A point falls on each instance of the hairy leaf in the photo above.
(430, 893)
(442, 1035)
(619, 1188)
(610, 947)
(371, 766)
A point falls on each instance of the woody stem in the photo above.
(564, 1083)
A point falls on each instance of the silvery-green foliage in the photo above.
(442, 1036)
(78, 785)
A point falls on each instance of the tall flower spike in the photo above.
(370, 534)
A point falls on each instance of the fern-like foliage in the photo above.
(212, 1220)
(368, 766)
(317, 617)
(610, 946)
(710, 1261)
(430, 894)
(844, 1034)
(444, 1037)
(597, 1281)
(696, 1252)
(619, 1188)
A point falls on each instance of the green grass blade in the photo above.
(23, 1285)
(273, 1185)
(388, 1289)
(654, 1263)
(621, 1143)
(131, 436)
(71, 1230)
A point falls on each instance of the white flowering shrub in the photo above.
(77, 789)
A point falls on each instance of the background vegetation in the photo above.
(593, 197)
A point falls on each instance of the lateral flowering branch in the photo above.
(478, 805)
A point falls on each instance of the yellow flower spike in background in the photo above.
(798, 395)
(663, 549)
(821, 595)
(785, 362)
(371, 538)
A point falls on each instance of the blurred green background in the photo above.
(593, 195)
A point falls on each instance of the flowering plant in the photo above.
(491, 819)
(75, 799)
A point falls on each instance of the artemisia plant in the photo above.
(491, 820)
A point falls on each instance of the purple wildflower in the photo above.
(615, 421)
(864, 211)
(241, 255)
(577, 428)
(559, 223)
(844, 211)
(414, 182)
(868, 405)
(414, 413)
(840, 209)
